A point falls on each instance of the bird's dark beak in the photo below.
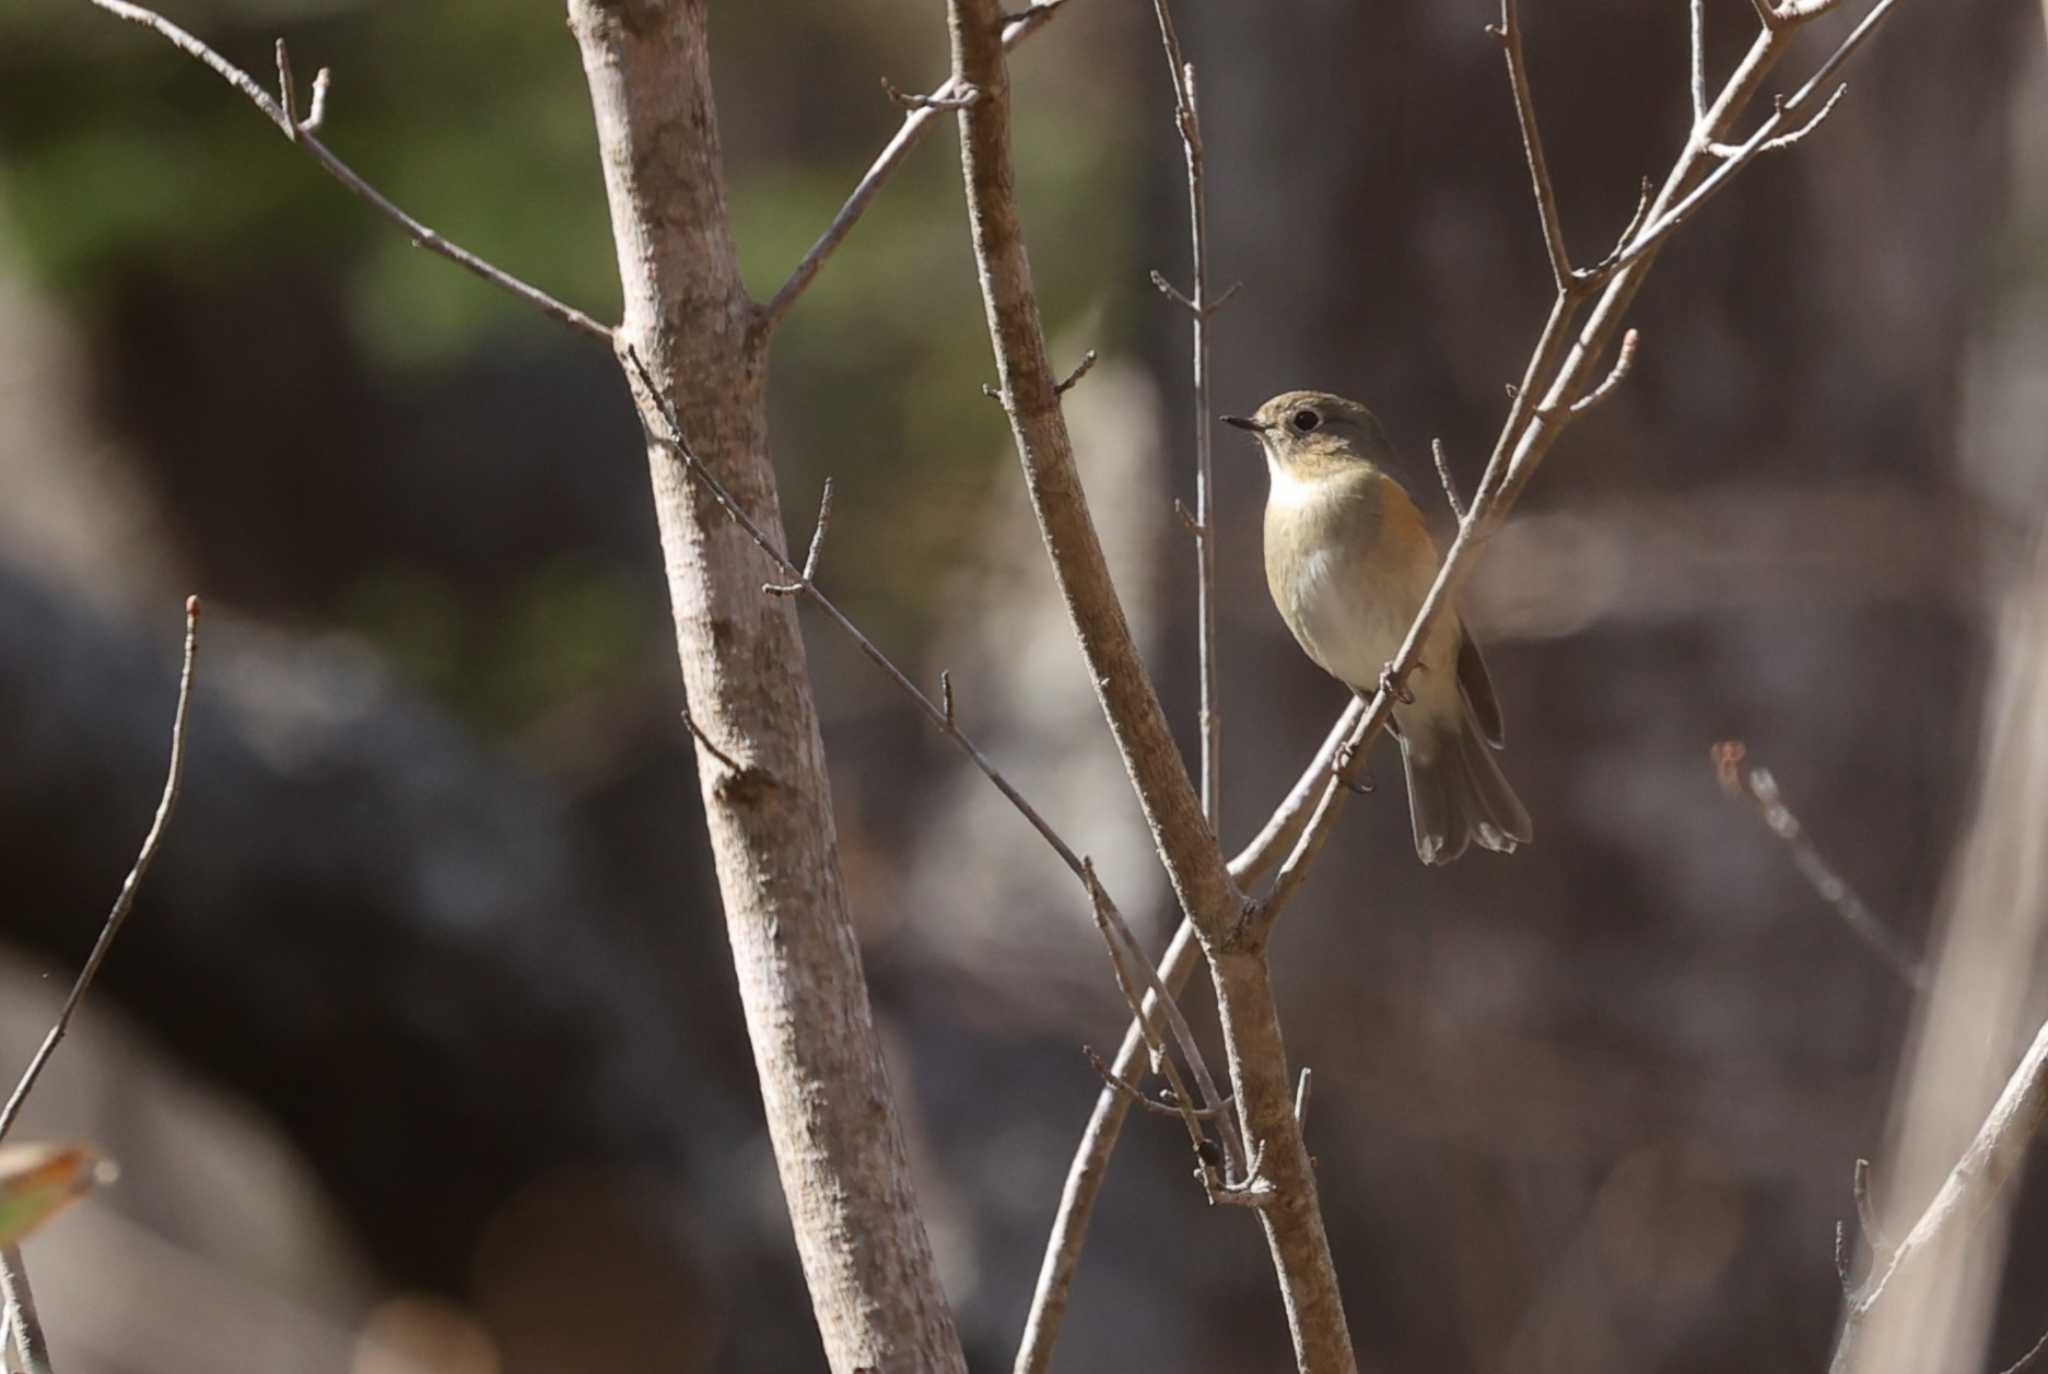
(1246, 422)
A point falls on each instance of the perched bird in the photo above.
(1349, 563)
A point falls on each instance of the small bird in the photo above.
(1349, 563)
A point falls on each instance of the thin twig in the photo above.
(677, 442)
(323, 80)
(1301, 1093)
(1787, 140)
(301, 133)
(810, 572)
(697, 733)
(287, 96)
(1760, 788)
(1623, 362)
(1443, 473)
(1188, 119)
(1699, 65)
(918, 123)
(1662, 226)
(174, 779)
(18, 1304)
(1139, 1097)
(1082, 369)
(1509, 33)
(1979, 1176)
(1132, 969)
(2026, 1361)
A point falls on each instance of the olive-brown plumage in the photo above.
(1349, 562)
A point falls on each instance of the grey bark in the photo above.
(824, 1087)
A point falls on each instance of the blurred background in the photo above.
(422, 1051)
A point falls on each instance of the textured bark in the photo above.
(768, 804)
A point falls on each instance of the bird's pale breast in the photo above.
(1349, 562)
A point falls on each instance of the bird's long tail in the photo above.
(1456, 792)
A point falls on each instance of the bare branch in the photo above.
(1623, 362)
(1980, 1174)
(1509, 33)
(920, 122)
(677, 442)
(301, 133)
(1139, 1097)
(286, 96)
(1187, 118)
(1787, 140)
(1089, 1168)
(1759, 787)
(1699, 65)
(1663, 224)
(1443, 473)
(810, 572)
(1132, 968)
(174, 780)
(24, 1327)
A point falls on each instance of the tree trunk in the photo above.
(766, 795)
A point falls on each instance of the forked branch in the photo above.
(281, 111)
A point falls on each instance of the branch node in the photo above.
(994, 393)
(1187, 517)
(910, 100)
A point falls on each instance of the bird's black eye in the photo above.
(1304, 420)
